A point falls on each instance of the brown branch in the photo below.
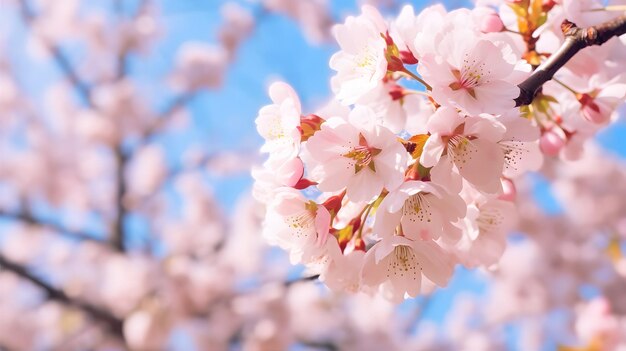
(576, 39)
(53, 226)
(121, 159)
(289, 283)
(113, 323)
(119, 231)
(319, 345)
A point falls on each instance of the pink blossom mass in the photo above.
(420, 180)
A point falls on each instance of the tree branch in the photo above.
(53, 226)
(320, 345)
(118, 235)
(113, 323)
(576, 39)
(289, 283)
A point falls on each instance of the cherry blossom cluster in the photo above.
(80, 156)
(409, 170)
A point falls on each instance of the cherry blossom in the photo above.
(397, 264)
(469, 145)
(486, 226)
(424, 211)
(357, 155)
(361, 65)
(297, 224)
(278, 123)
(464, 74)
(399, 168)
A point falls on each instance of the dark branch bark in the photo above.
(319, 345)
(113, 323)
(301, 280)
(118, 239)
(576, 39)
(52, 226)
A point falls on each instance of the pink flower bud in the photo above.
(303, 183)
(591, 111)
(551, 142)
(333, 204)
(509, 192)
(396, 92)
(408, 57)
(309, 125)
(491, 23)
(548, 5)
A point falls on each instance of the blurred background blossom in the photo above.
(126, 141)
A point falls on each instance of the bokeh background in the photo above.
(127, 137)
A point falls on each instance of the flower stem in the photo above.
(512, 31)
(616, 8)
(417, 92)
(367, 213)
(565, 86)
(414, 76)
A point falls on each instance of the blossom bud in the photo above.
(394, 64)
(551, 142)
(303, 183)
(388, 38)
(408, 57)
(333, 203)
(309, 125)
(590, 110)
(491, 23)
(548, 5)
(509, 192)
(356, 224)
(412, 174)
(359, 245)
(396, 92)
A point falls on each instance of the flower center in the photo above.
(366, 63)
(469, 77)
(417, 208)
(404, 262)
(488, 220)
(276, 130)
(363, 155)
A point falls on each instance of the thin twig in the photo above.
(52, 226)
(301, 280)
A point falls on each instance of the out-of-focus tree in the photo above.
(107, 240)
